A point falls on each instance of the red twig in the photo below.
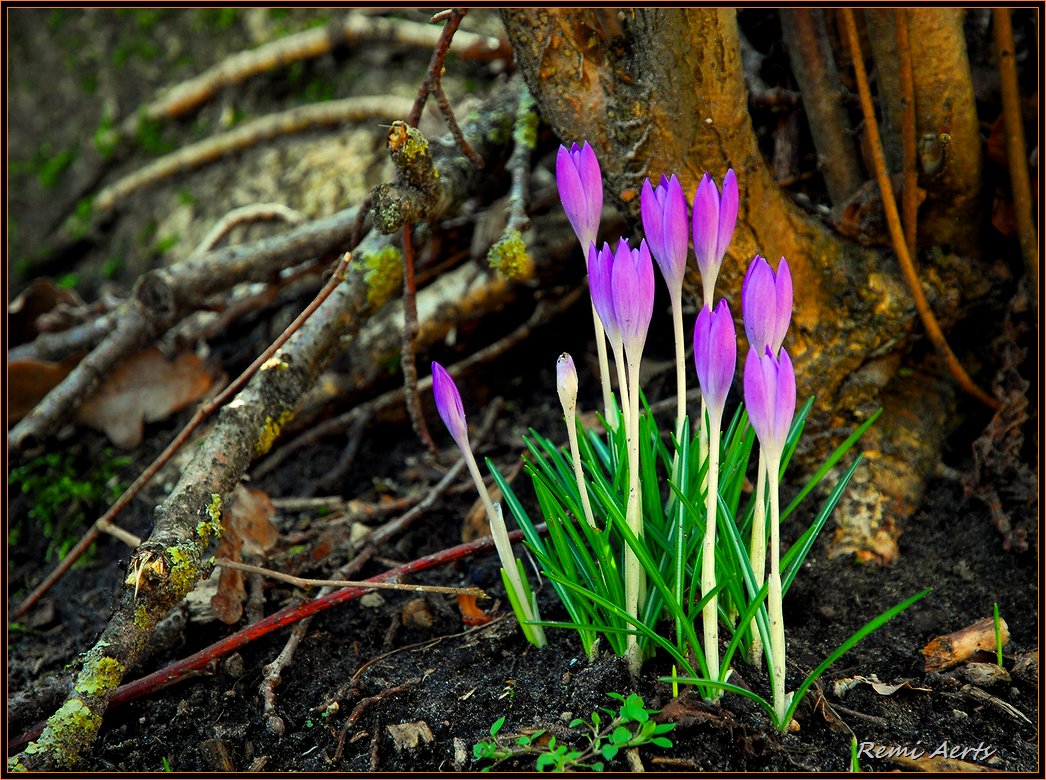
(196, 662)
(202, 413)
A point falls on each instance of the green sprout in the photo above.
(629, 726)
(855, 764)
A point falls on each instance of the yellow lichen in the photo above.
(270, 431)
(183, 570)
(68, 732)
(383, 276)
(213, 529)
(509, 256)
(98, 676)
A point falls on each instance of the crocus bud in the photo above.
(600, 287)
(665, 223)
(448, 404)
(714, 219)
(633, 289)
(766, 303)
(566, 383)
(770, 397)
(580, 186)
(715, 354)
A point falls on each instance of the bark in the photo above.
(947, 129)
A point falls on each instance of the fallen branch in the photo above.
(202, 659)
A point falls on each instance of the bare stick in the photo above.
(893, 221)
(439, 55)
(204, 411)
(410, 335)
(1016, 150)
(295, 120)
(256, 212)
(306, 582)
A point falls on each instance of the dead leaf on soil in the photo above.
(144, 388)
(840, 687)
(28, 381)
(248, 528)
(40, 297)
(408, 735)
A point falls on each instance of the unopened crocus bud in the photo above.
(766, 303)
(770, 397)
(714, 219)
(715, 355)
(580, 186)
(566, 383)
(633, 290)
(665, 224)
(601, 288)
(448, 404)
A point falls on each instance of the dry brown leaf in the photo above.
(28, 381)
(248, 528)
(144, 388)
(40, 297)
(883, 689)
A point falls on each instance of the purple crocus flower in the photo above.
(448, 404)
(665, 223)
(600, 287)
(766, 303)
(770, 397)
(633, 289)
(715, 355)
(580, 186)
(714, 219)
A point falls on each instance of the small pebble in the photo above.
(959, 714)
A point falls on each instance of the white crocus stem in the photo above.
(710, 614)
(604, 368)
(622, 383)
(774, 596)
(504, 548)
(758, 549)
(677, 321)
(634, 579)
(570, 413)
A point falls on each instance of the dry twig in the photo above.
(909, 193)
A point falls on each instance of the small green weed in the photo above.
(629, 726)
(62, 496)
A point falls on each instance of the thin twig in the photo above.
(255, 212)
(909, 193)
(306, 582)
(357, 713)
(1016, 150)
(204, 411)
(893, 221)
(272, 675)
(452, 123)
(410, 335)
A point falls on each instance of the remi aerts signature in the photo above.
(945, 750)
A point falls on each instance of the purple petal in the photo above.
(448, 404)
(758, 395)
(759, 303)
(723, 343)
(784, 304)
(600, 286)
(592, 183)
(633, 284)
(705, 226)
(784, 398)
(727, 214)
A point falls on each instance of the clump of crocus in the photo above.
(715, 356)
(770, 400)
(580, 185)
(622, 287)
(714, 219)
(665, 223)
(566, 384)
(449, 406)
(766, 302)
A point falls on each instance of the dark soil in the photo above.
(404, 659)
